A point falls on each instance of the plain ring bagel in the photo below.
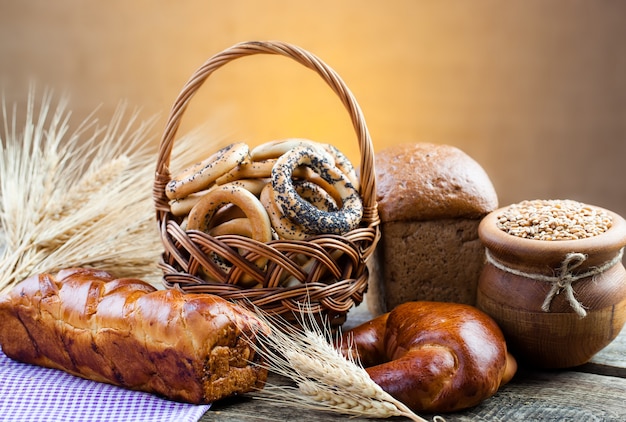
(298, 209)
(200, 176)
(203, 212)
(232, 195)
(433, 356)
(182, 206)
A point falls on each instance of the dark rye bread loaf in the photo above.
(431, 199)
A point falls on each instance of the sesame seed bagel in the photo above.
(200, 176)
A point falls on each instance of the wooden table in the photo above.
(595, 391)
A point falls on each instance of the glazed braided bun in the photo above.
(432, 356)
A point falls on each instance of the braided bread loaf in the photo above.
(185, 347)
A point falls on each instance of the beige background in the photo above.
(533, 90)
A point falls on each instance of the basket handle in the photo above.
(367, 173)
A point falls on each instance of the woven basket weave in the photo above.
(337, 278)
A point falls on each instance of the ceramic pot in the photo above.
(524, 288)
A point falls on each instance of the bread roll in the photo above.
(431, 199)
(185, 347)
(433, 356)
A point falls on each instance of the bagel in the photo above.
(203, 212)
(315, 195)
(200, 176)
(343, 163)
(305, 173)
(234, 197)
(240, 226)
(301, 211)
(182, 206)
(284, 227)
(224, 214)
(434, 357)
(248, 170)
(275, 149)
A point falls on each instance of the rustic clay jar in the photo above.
(556, 337)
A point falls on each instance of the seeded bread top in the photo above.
(423, 181)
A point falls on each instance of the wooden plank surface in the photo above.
(595, 391)
(532, 396)
(611, 360)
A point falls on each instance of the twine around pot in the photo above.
(564, 279)
(333, 277)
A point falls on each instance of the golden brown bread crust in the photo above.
(423, 181)
(432, 356)
(185, 347)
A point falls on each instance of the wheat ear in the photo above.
(324, 379)
(82, 197)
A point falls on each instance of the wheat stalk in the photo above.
(82, 197)
(66, 198)
(324, 379)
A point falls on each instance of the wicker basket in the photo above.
(338, 277)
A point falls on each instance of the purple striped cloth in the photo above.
(35, 394)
